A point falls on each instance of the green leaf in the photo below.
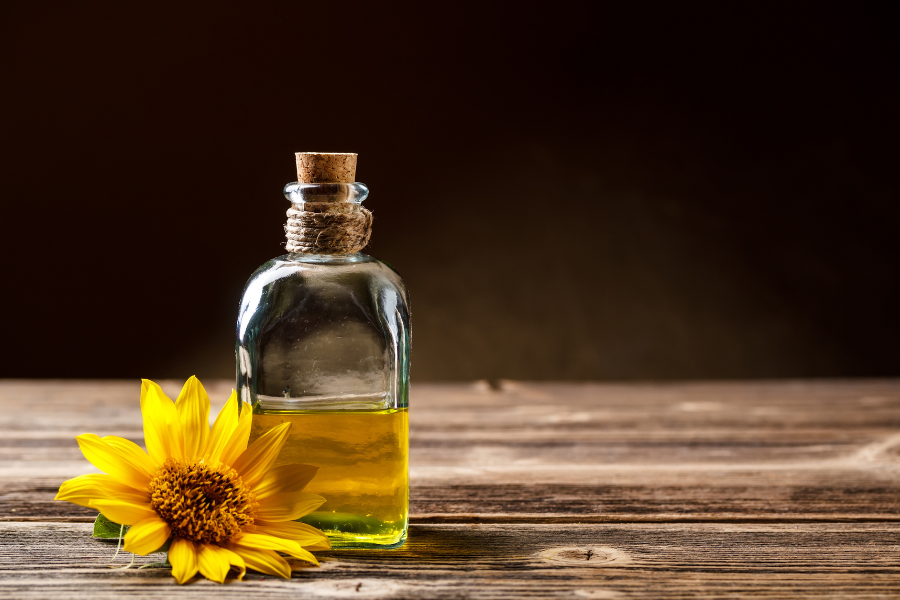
(107, 530)
(157, 565)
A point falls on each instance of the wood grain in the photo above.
(502, 561)
(552, 452)
(770, 489)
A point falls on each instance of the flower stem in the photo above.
(119, 545)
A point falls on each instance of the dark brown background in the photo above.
(590, 191)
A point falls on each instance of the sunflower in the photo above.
(219, 502)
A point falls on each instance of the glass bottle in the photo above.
(323, 342)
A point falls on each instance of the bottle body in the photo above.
(323, 342)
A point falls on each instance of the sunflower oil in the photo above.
(363, 459)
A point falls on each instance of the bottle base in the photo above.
(348, 531)
(343, 542)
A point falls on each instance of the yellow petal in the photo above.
(288, 506)
(112, 460)
(306, 535)
(259, 456)
(211, 564)
(193, 414)
(264, 561)
(284, 478)
(81, 490)
(323, 545)
(183, 558)
(236, 561)
(147, 536)
(176, 433)
(133, 453)
(237, 443)
(157, 410)
(226, 423)
(215, 562)
(268, 542)
(124, 513)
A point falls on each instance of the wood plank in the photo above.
(32, 405)
(544, 490)
(503, 561)
(830, 495)
(552, 452)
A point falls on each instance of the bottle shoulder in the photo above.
(312, 267)
(292, 284)
(293, 279)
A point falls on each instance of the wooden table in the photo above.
(544, 490)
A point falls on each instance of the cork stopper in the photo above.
(326, 167)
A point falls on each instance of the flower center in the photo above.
(200, 502)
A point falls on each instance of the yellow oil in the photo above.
(363, 460)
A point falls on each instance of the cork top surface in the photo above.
(326, 167)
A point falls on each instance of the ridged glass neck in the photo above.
(301, 193)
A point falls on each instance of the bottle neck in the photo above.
(327, 218)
